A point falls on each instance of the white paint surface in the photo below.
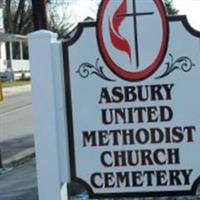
(49, 115)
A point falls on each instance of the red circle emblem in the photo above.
(132, 36)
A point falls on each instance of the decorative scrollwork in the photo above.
(87, 69)
(184, 63)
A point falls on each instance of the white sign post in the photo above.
(130, 84)
(133, 102)
(49, 115)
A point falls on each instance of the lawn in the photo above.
(15, 83)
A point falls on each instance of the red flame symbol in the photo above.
(117, 39)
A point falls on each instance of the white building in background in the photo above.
(3, 65)
(14, 64)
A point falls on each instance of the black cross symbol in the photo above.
(134, 15)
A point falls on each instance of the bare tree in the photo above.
(65, 15)
(18, 16)
(62, 14)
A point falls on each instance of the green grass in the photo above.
(15, 83)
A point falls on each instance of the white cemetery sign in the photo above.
(132, 85)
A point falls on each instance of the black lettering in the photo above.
(107, 116)
(142, 136)
(157, 135)
(128, 136)
(156, 93)
(117, 95)
(123, 179)
(104, 97)
(109, 180)
(119, 158)
(95, 180)
(131, 158)
(146, 157)
(120, 115)
(166, 114)
(174, 177)
(115, 135)
(130, 95)
(152, 114)
(189, 131)
(177, 134)
(161, 178)
(168, 90)
(149, 175)
(186, 175)
(103, 138)
(143, 95)
(173, 156)
(140, 111)
(158, 154)
(89, 138)
(106, 159)
(136, 179)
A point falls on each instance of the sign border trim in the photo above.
(69, 115)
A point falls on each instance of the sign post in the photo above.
(49, 115)
(133, 102)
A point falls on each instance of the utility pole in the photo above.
(39, 14)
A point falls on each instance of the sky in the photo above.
(83, 8)
(192, 9)
(189, 7)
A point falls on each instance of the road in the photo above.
(16, 128)
(16, 116)
(16, 135)
(19, 183)
(16, 123)
(15, 100)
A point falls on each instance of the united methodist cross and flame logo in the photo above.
(132, 36)
(117, 39)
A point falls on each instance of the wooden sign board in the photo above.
(132, 86)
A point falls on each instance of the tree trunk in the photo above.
(39, 14)
(8, 17)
